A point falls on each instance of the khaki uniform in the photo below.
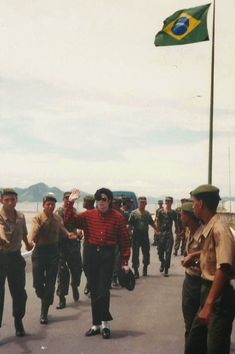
(192, 283)
(45, 255)
(218, 249)
(12, 264)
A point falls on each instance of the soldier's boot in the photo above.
(20, 332)
(75, 293)
(166, 273)
(62, 303)
(161, 269)
(175, 253)
(44, 314)
(145, 271)
(136, 273)
(115, 280)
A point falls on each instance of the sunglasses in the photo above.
(103, 199)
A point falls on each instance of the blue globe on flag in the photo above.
(180, 26)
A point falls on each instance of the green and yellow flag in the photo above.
(184, 27)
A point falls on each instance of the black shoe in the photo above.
(136, 274)
(106, 333)
(75, 293)
(44, 319)
(44, 313)
(92, 332)
(166, 273)
(20, 332)
(62, 303)
(86, 290)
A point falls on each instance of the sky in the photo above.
(87, 100)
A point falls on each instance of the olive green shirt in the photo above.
(46, 230)
(15, 230)
(195, 244)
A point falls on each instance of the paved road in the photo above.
(146, 321)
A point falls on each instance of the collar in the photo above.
(207, 228)
(4, 215)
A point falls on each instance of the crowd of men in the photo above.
(111, 231)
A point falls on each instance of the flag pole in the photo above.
(211, 101)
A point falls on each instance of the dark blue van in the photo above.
(127, 194)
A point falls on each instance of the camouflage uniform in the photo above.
(70, 260)
(140, 224)
(166, 239)
(180, 238)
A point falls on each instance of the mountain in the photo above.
(36, 192)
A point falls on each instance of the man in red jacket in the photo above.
(103, 228)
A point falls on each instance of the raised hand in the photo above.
(74, 195)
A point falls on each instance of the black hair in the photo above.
(105, 191)
(211, 200)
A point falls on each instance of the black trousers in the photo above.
(100, 262)
(70, 264)
(12, 267)
(190, 300)
(45, 265)
(140, 241)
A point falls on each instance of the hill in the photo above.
(36, 192)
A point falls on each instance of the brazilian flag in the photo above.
(184, 27)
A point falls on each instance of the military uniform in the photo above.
(192, 282)
(180, 238)
(217, 258)
(45, 256)
(12, 264)
(70, 262)
(140, 223)
(166, 239)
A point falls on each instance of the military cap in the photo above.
(49, 197)
(184, 200)
(89, 198)
(66, 194)
(142, 198)
(169, 199)
(160, 201)
(205, 188)
(7, 191)
(126, 280)
(188, 207)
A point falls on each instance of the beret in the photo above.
(205, 188)
(49, 197)
(89, 198)
(187, 206)
(6, 191)
(67, 194)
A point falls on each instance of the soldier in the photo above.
(180, 239)
(88, 204)
(70, 260)
(165, 241)
(116, 205)
(12, 265)
(139, 220)
(192, 282)
(46, 227)
(160, 207)
(211, 329)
